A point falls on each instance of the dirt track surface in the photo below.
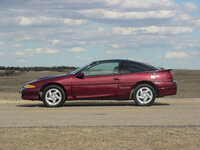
(165, 112)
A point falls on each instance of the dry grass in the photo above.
(147, 138)
(188, 83)
(10, 96)
(12, 84)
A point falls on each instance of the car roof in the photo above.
(124, 60)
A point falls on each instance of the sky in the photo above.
(163, 33)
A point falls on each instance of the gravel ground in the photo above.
(98, 138)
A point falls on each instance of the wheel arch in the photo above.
(52, 83)
(145, 82)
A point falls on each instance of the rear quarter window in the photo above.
(133, 67)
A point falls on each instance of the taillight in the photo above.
(170, 76)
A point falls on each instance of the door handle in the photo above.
(116, 78)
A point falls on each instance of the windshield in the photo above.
(79, 69)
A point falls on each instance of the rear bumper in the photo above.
(166, 88)
(30, 94)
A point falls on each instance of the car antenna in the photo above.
(163, 54)
(163, 51)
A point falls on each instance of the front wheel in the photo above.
(144, 95)
(53, 96)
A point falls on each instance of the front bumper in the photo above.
(167, 88)
(30, 94)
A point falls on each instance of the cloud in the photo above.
(54, 42)
(179, 55)
(152, 30)
(187, 44)
(141, 4)
(67, 43)
(25, 21)
(76, 50)
(191, 7)
(124, 31)
(46, 51)
(196, 22)
(195, 53)
(75, 22)
(108, 14)
(2, 54)
(115, 46)
(39, 20)
(34, 52)
(17, 46)
(116, 52)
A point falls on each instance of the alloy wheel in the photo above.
(53, 96)
(144, 95)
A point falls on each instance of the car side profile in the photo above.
(105, 79)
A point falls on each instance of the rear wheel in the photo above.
(53, 96)
(144, 95)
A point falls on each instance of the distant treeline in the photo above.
(6, 71)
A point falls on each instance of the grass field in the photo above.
(188, 83)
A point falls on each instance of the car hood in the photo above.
(49, 77)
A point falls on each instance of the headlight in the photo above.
(29, 86)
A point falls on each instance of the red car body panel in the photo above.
(116, 86)
(94, 86)
(166, 88)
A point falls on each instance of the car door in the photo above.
(100, 80)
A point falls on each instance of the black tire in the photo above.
(58, 96)
(144, 95)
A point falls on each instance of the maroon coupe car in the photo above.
(106, 79)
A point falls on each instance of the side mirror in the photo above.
(80, 75)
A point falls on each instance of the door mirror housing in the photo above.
(80, 75)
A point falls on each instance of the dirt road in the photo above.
(165, 112)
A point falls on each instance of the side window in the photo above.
(107, 68)
(129, 67)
